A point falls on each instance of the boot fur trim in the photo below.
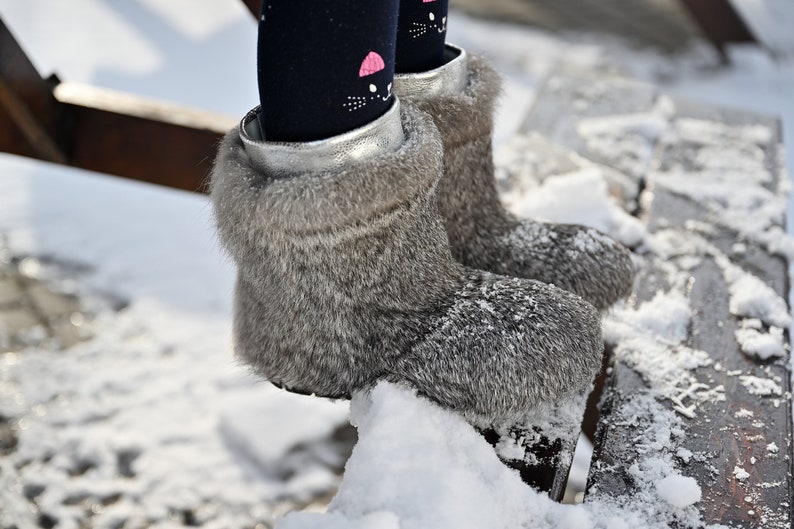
(467, 116)
(248, 201)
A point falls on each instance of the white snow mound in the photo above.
(417, 466)
(679, 491)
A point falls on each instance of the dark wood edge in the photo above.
(253, 6)
(719, 22)
(102, 130)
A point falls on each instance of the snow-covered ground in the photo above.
(151, 424)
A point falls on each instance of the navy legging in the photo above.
(327, 66)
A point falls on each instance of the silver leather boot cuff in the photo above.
(449, 78)
(282, 159)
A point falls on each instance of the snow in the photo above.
(151, 422)
(442, 474)
(579, 197)
(743, 413)
(650, 338)
(764, 345)
(740, 473)
(629, 138)
(679, 491)
(760, 386)
(684, 454)
(659, 431)
(156, 388)
(752, 298)
(742, 193)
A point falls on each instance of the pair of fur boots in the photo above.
(384, 254)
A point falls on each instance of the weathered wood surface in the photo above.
(30, 117)
(661, 23)
(101, 130)
(729, 430)
(132, 137)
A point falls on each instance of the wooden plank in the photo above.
(102, 130)
(719, 22)
(721, 436)
(741, 441)
(12, 139)
(720, 440)
(136, 138)
(662, 23)
(34, 121)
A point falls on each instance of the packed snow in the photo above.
(151, 424)
(740, 473)
(764, 345)
(579, 197)
(417, 466)
(679, 491)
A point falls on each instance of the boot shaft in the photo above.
(461, 100)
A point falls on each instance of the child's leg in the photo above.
(421, 32)
(324, 66)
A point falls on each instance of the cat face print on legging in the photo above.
(374, 83)
(431, 17)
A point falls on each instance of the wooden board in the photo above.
(739, 430)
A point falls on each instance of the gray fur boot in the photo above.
(345, 277)
(460, 97)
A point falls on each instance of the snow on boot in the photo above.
(345, 277)
(460, 96)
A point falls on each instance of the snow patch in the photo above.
(744, 413)
(764, 345)
(742, 193)
(441, 472)
(760, 386)
(752, 298)
(679, 491)
(579, 197)
(626, 141)
(740, 473)
(650, 338)
(684, 454)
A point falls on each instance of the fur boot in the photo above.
(345, 277)
(460, 97)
